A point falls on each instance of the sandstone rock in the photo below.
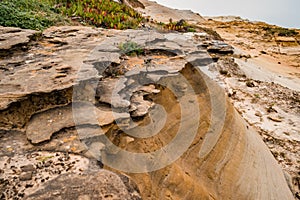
(43, 125)
(47, 80)
(14, 38)
(258, 114)
(190, 138)
(28, 168)
(220, 47)
(108, 92)
(139, 107)
(285, 39)
(224, 155)
(94, 185)
(275, 119)
(26, 176)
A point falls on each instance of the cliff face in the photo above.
(156, 116)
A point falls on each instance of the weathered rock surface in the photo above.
(44, 76)
(14, 38)
(45, 175)
(162, 120)
(44, 124)
(271, 63)
(94, 185)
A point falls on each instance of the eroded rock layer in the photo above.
(152, 113)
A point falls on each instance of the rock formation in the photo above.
(157, 117)
(95, 185)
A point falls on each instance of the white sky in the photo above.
(285, 13)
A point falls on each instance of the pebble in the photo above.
(47, 164)
(258, 114)
(25, 176)
(28, 168)
(275, 119)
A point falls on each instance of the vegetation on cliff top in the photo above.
(29, 14)
(180, 26)
(40, 14)
(279, 31)
(103, 13)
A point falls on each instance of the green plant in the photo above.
(191, 29)
(102, 13)
(29, 14)
(40, 14)
(44, 158)
(131, 48)
(256, 95)
(181, 26)
(279, 31)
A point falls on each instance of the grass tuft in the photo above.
(131, 48)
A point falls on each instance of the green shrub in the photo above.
(131, 48)
(28, 14)
(279, 31)
(40, 14)
(191, 29)
(180, 26)
(103, 13)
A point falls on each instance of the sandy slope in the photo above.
(161, 13)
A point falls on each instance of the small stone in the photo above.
(28, 168)
(287, 133)
(275, 119)
(129, 139)
(84, 197)
(250, 84)
(25, 176)
(39, 165)
(258, 114)
(270, 109)
(47, 164)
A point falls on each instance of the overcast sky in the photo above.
(280, 12)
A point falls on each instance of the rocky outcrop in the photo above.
(44, 175)
(101, 185)
(42, 77)
(13, 39)
(269, 56)
(156, 116)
